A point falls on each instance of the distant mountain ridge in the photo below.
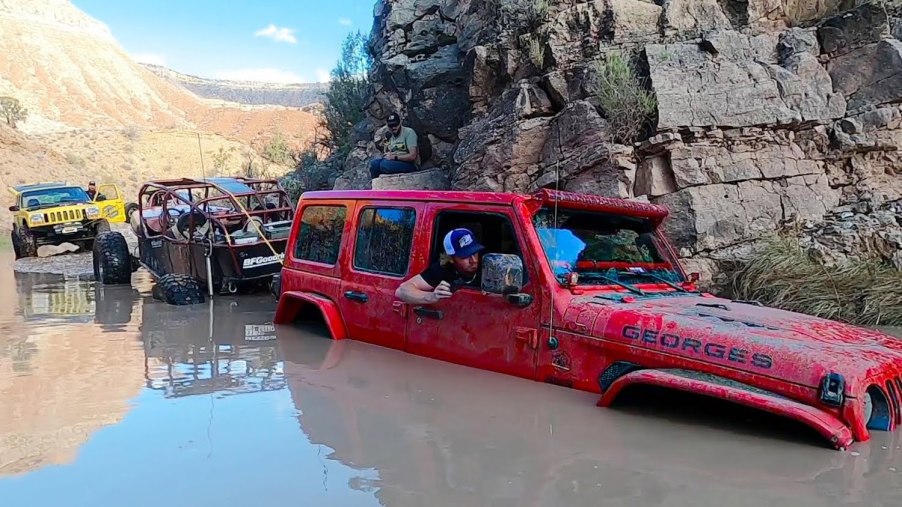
(245, 92)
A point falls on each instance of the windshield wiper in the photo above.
(653, 276)
(626, 286)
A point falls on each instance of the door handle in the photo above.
(356, 296)
(429, 312)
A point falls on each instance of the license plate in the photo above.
(69, 230)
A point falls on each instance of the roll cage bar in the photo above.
(176, 190)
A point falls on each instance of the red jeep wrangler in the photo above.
(580, 291)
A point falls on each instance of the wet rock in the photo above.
(848, 30)
(429, 179)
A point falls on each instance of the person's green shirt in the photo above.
(403, 143)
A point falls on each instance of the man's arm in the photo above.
(410, 157)
(417, 291)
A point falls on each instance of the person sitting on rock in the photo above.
(400, 149)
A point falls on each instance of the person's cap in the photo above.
(91, 183)
(393, 120)
(461, 243)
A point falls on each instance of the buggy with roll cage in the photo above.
(196, 236)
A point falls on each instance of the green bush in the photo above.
(12, 111)
(277, 150)
(347, 93)
(628, 106)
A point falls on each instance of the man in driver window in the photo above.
(440, 281)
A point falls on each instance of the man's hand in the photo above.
(390, 156)
(441, 291)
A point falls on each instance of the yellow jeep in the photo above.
(57, 212)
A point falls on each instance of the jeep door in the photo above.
(112, 207)
(378, 261)
(480, 330)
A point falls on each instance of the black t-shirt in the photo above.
(436, 272)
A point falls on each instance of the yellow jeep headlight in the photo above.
(36, 218)
(92, 211)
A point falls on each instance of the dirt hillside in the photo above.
(94, 113)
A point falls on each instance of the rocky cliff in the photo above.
(245, 92)
(766, 112)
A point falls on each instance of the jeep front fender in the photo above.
(826, 424)
(292, 302)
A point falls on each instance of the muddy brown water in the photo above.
(108, 397)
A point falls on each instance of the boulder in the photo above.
(692, 17)
(629, 20)
(51, 250)
(429, 179)
(845, 31)
(734, 80)
(654, 177)
(719, 215)
(870, 75)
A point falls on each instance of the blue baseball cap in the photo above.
(461, 243)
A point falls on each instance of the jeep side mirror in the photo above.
(14, 208)
(503, 274)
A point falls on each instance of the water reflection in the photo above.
(441, 434)
(51, 364)
(220, 407)
(223, 347)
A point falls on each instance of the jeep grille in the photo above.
(62, 216)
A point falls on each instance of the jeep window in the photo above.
(602, 246)
(54, 197)
(319, 237)
(384, 237)
(493, 230)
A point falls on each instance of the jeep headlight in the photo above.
(36, 218)
(92, 211)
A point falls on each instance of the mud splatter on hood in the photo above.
(766, 341)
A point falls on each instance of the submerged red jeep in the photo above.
(580, 291)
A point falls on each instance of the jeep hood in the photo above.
(763, 341)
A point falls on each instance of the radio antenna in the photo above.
(203, 170)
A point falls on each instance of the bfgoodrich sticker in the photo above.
(256, 262)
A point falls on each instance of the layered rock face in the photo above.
(767, 112)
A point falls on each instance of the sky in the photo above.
(280, 41)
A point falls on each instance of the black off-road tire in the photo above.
(112, 262)
(15, 241)
(28, 247)
(129, 209)
(176, 289)
(102, 226)
(112, 308)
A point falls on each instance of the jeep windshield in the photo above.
(51, 197)
(604, 249)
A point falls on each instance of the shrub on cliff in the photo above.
(346, 96)
(863, 292)
(12, 111)
(310, 173)
(628, 106)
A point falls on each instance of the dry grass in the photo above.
(628, 106)
(862, 292)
